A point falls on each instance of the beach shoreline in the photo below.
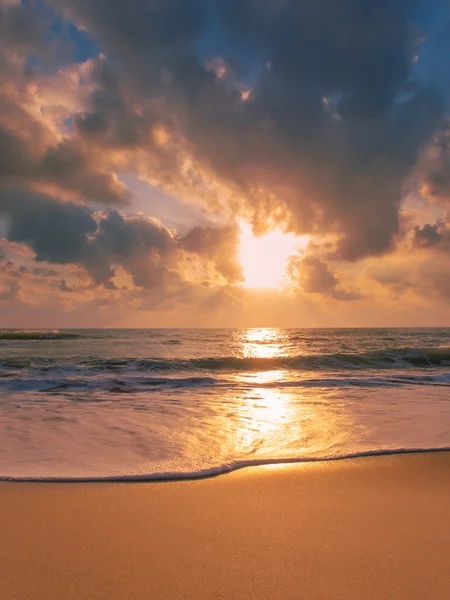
(219, 471)
(366, 528)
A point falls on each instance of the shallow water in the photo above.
(124, 403)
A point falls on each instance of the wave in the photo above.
(112, 385)
(22, 335)
(393, 358)
(132, 384)
(224, 468)
(346, 382)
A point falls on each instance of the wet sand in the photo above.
(363, 529)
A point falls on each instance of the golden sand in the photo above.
(363, 529)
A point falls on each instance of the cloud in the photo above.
(10, 292)
(396, 277)
(57, 232)
(65, 166)
(34, 146)
(425, 274)
(134, 132)
(142, 246)
(324, 142)
(312, 117)
(69, 166)
(155, 257)
(314, 276)
(110, 121)
(22, 27)
(219, 245)
(9, 278)
(64, 287)
(436, 167)
(429, 236)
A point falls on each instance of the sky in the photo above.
(224, 163)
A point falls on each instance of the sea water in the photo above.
(124, 404)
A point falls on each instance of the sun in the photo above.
(264, 259)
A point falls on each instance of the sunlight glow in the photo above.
(264, 259)
(275, 413)
(261, 342)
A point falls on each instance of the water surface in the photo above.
(125, 403)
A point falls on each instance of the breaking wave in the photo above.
(130, 383)
(395, 358)
(403, 358)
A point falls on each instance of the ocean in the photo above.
(177, 403)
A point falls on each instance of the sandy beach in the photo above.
(368, 528)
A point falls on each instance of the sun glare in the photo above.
(264, 259)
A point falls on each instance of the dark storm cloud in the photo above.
(360, 49)
(335, 121)
(110, 120)
(69, 166)
(120, 237)
(66, 233)
(432, 236)
(66, 165)
(57, 232)
(141, 246)
(314, 276)
(428, 235)
(437, 182)
(22, 27)
(123, 124)
(13, 154)
(31, 150)
(149, 33)
(71, 234)
(152, 254)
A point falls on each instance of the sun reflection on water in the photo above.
(275, 420)
(269, 421)
(268, 408)
(261, 343)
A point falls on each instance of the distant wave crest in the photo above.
(23, 335)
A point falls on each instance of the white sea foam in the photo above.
(222, 469)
